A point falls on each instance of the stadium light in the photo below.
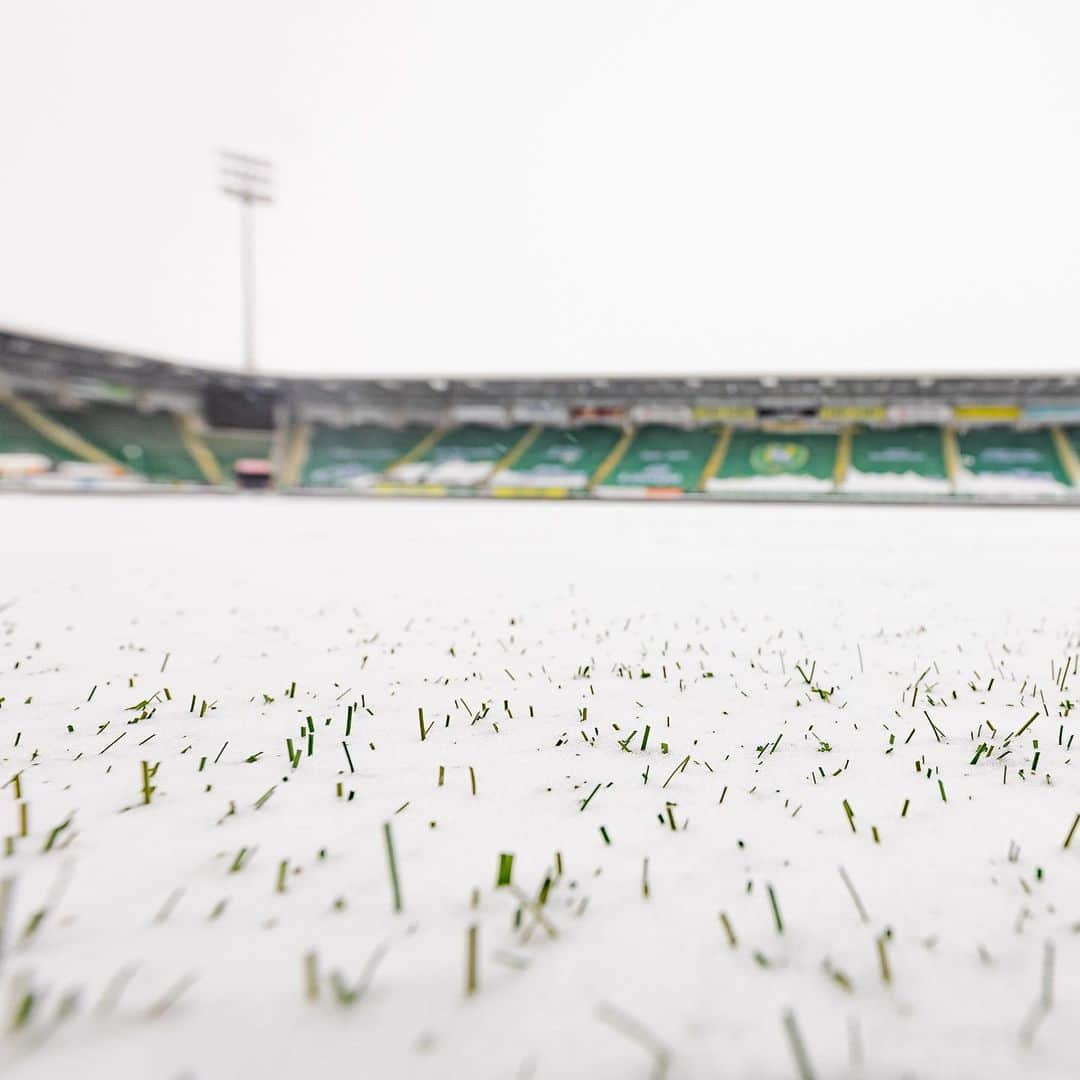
(249, 180)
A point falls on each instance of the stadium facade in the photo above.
(77, 417)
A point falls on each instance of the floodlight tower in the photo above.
(250, 181)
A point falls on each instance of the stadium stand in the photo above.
(895, 458)
(762, 460)
(660, 460)
(355, 457)
(86, 417)
(459, 457)
(558, 460)
(1026, 458)
(20, 440)
(149, 444)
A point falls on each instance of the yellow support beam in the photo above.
(716, 458)
(421, 448)
(843, 457)
(1067, 454)
(295, 455)
(951, 449)
(513, 455)
(198, 451)
(613, 459)
(57, 433)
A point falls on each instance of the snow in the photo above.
(778, 485)
(1009, 483)
(900, 482)
(550, 608)
(541, 478)
(452, 472)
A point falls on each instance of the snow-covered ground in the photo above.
(821, 854)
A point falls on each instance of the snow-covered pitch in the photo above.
(772, 791)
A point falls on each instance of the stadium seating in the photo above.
(17, 437)
(111, 442)
(356, 456)
(884, 459)
(1004, 458)
(760, 460)
(458, 457)
(559, 459)
(660, 459)
(147, 443)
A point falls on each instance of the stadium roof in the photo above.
(39, 357)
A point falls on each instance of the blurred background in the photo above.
(611, 187)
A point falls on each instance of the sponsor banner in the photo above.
(613, 413)
(649, 413)
(169, 401)
(410, 489)
(90, 470)
(24, 464)
(530, 493)
(415, 416)
(358, 416)
(1052, 414)
(98, 390)
(918, 412)
(481, 413)
(788, 426)
(704, 414)
(539, 412)
(865, 414)
(986, 414)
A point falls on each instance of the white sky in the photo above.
(557, 186)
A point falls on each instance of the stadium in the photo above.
(368, 707)
(76, 417)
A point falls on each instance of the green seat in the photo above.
(18, 437)
(1005, 452)
(762, 455)
(356, 456)
(917, 451)
(147, 443)
(663, 457)
(464, 456)
(561, 457)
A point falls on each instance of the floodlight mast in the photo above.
(250, 181)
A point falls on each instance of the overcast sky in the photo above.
(560, 186)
